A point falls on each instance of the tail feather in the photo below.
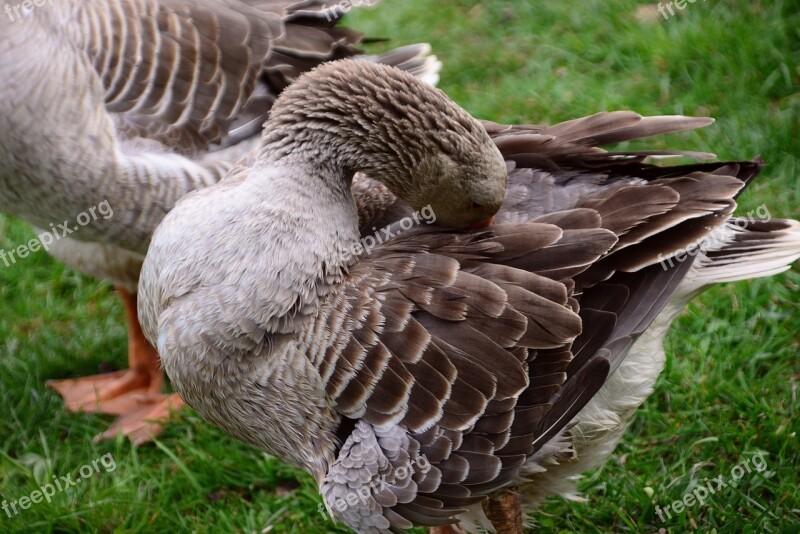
(751, 249)
(576, 143)
(416, 59)
(607, 128)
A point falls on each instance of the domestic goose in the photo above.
(437, 373)
(131, 104)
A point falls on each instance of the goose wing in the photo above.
(182, 72)
(439, 335)
(464, 349)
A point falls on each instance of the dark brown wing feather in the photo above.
(454, 358)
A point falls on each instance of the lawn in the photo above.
(730, 387)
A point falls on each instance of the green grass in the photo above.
(730, 387)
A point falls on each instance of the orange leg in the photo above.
(504, 510)
(134, 394)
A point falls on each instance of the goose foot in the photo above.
(110, 393)
(143, 423)
(504, 510)
(134, 394)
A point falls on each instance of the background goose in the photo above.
(442, 367)
(130, 104)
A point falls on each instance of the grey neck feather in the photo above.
(382, 125)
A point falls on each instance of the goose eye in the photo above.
(477, 206)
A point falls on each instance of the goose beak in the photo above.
(480, 224)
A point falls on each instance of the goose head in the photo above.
(355, 116)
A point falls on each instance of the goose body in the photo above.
(435, 377)
(133, 104)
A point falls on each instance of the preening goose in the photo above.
(429, 376)
(130, 104)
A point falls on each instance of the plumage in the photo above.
(133, 104)
(508, 356)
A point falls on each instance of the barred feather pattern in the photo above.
(412, 350)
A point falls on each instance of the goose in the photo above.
(449, 373)
(128, 105)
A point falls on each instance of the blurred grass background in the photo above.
(730, 387)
